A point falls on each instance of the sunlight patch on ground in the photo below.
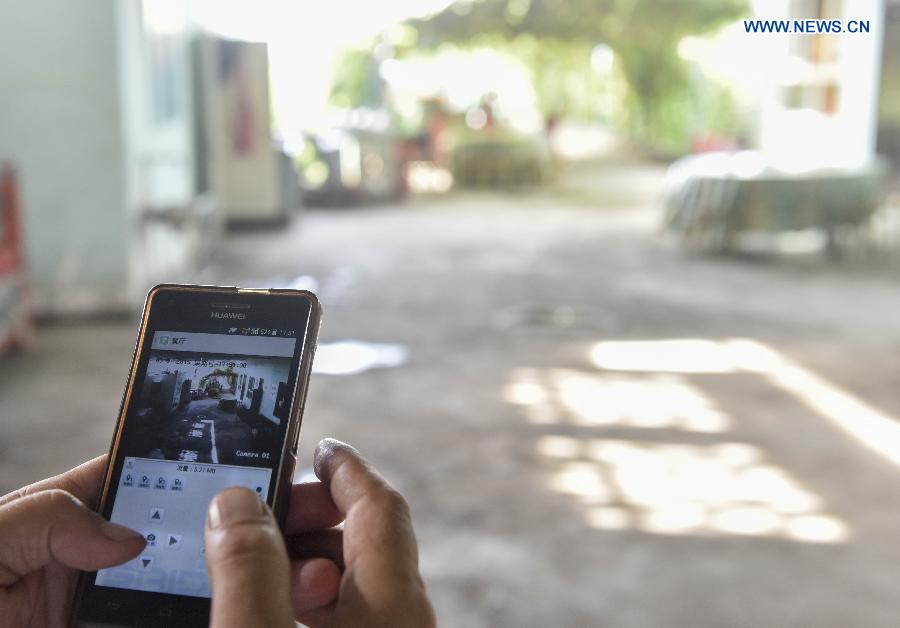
(686, 355)
(350, 357)
(723, 488)
(719, 489)
(871, 427)
(596, 399)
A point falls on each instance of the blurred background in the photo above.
(610, 287)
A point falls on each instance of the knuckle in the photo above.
(390, 520)
(391, 501)
(19, 493)
(56, 499)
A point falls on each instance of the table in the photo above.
(714, 198)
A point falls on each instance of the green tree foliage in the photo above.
(644, 34)
(356, 81)
(561, 71)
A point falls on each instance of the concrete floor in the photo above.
(704, 484)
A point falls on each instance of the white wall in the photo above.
(860, 72)
(272, 371)
(809, 138)
(60, 125)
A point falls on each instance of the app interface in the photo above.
(206, 416)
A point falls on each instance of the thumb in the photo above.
(248, 564)
(53, 525)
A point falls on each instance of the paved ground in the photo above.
(567, 465)
(191, 433)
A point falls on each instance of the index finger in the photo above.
(83, 482)
(378, 525)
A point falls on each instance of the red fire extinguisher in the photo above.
(15, 310)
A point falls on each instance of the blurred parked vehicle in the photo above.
(356, 162)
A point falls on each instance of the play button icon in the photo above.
(174, 541)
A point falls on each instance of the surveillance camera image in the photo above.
(206, 415)
(209, 406)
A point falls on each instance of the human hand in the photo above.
(47, 533)
(254, 584)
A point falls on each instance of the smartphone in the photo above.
(214, 399)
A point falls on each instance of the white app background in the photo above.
(167, 500)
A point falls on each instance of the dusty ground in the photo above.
(702, 484)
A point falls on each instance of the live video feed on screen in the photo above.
(207, 415)
(212, 398)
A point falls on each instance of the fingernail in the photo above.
(232, 505)
(115, 532)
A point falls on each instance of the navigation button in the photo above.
(151, 539)
(173, 541)
(157, 514)
(145, 562)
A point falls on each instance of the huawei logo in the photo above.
(237, 315)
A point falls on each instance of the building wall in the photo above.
(822, 103)
(172, 233)
(272, 371)
(60, 126)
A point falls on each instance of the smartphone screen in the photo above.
(209, 406)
